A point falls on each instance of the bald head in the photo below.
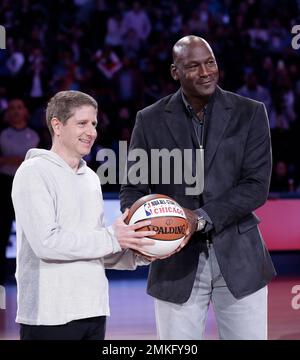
(194, 66)
(187, 42)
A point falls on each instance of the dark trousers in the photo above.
(84, 329)
(7, 216)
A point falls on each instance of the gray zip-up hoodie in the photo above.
(61, 242)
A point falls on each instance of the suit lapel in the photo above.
(176, 122)
(214, 129)
(216, 126)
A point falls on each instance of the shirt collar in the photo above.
(187, 106)
(81, 167)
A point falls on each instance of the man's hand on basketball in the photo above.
(127, 235)
(192, 227)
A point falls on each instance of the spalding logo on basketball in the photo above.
(168, 220)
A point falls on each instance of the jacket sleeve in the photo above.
(252, 187)
(125, 260)
(36, 222)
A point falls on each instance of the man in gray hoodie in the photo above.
(62, 242)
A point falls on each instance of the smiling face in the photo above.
(195, 67)
(76, 136)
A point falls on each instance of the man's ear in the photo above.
(174, 70)
(56, 126)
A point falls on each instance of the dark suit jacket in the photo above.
(237, 176)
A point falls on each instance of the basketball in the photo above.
(168, 220)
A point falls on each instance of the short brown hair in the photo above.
(63, 104)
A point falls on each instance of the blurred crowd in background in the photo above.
(120, 53)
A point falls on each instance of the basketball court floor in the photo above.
(132, 311)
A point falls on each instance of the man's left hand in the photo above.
(192, 227)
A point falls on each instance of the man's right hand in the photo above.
(127, 235)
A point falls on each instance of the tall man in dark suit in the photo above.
(224, 259)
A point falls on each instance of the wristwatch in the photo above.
(201, 222)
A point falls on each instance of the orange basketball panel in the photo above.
(167, 228)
